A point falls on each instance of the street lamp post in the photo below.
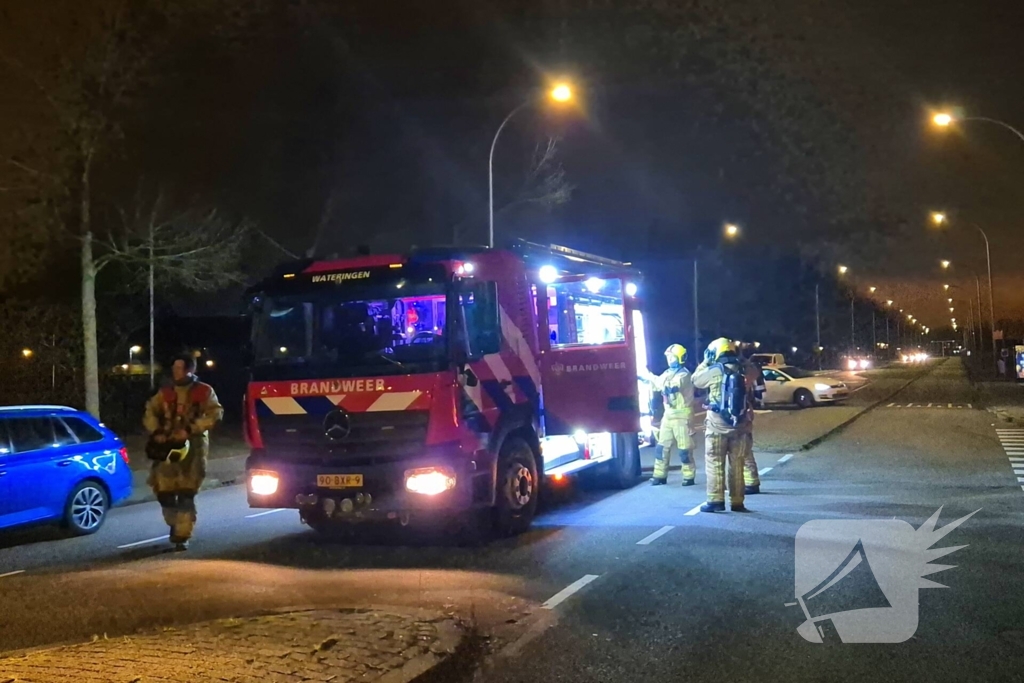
(131, 355)
(991, 305)
(940, 218)
(560, 93)
(945, 120)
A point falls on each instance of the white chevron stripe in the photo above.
(476, 395)
(517, 342)
(395, 400)
(283, 405)
(501, 372)
(336, 399)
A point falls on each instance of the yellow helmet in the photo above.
(719, 348)
(677, 351)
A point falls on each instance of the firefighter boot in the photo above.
(658, 481)
(713, 507)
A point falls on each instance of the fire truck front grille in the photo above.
(373, 437)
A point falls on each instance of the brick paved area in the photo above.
(315, 645)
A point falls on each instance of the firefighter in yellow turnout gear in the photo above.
(178, 419)
(677, 392)
(755, 392)
(724, 425)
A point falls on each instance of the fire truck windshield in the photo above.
(392, 328)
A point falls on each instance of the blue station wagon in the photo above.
(59, 465)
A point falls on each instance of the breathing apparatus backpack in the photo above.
(731, 403)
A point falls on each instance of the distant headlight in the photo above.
(864, 363)
(821, 387)
(851, 364)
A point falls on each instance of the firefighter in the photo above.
(674, 434)
(754, 380)
(727, 411)
(178, 419)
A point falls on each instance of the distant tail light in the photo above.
(124, 455)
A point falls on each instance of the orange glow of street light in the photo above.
(943, 119)
(888, 302)
(842, 270)
(945, 263)
(562, 92)
(938, 217)
(731, 230)
(27, 353)
(872, 289)
(945, 288)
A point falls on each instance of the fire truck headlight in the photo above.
(851, 364)
(631, 289)
(548, 274)
(430, 481)
(580, 436)
(263, 482)
(864, 363)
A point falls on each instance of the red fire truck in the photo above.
(441, 381)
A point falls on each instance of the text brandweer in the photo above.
(595, 366)
(338, 386)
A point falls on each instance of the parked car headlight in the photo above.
(821, 387)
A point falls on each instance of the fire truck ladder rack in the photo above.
(565, 258)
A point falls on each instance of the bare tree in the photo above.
(544, 186)
(85, 98)
(195, 249)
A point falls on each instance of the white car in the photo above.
(787, 384)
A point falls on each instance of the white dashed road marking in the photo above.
(764, 470)
(14, 573)
(786, 458)
(692, 512)
(1012, 441)
(148, 540)
(567, 592)
(265, 512)
(655, 536)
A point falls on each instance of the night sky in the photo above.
(806, 122)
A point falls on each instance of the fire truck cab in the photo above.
(441, 381)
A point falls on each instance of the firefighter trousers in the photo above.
(750, 475)
(720, 450)
(674, 435)
(179, 508)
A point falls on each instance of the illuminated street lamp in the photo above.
(888, 302)
(938, 217)
(560, 93)
(732, 230)
(944, 263)
(131, 353)
(842, 270)
(872, 289)
(27, 353)
(945, 288)
(949, 300)
(947, 119)
(950, 309)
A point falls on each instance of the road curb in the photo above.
(843, 425)
(220, 472)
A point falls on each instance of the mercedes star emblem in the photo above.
(337, 425)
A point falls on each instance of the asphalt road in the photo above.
(639, 585)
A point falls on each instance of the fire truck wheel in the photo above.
(517, 486)
(624, 470)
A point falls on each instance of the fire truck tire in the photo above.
(624, 470)
(517, 488)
